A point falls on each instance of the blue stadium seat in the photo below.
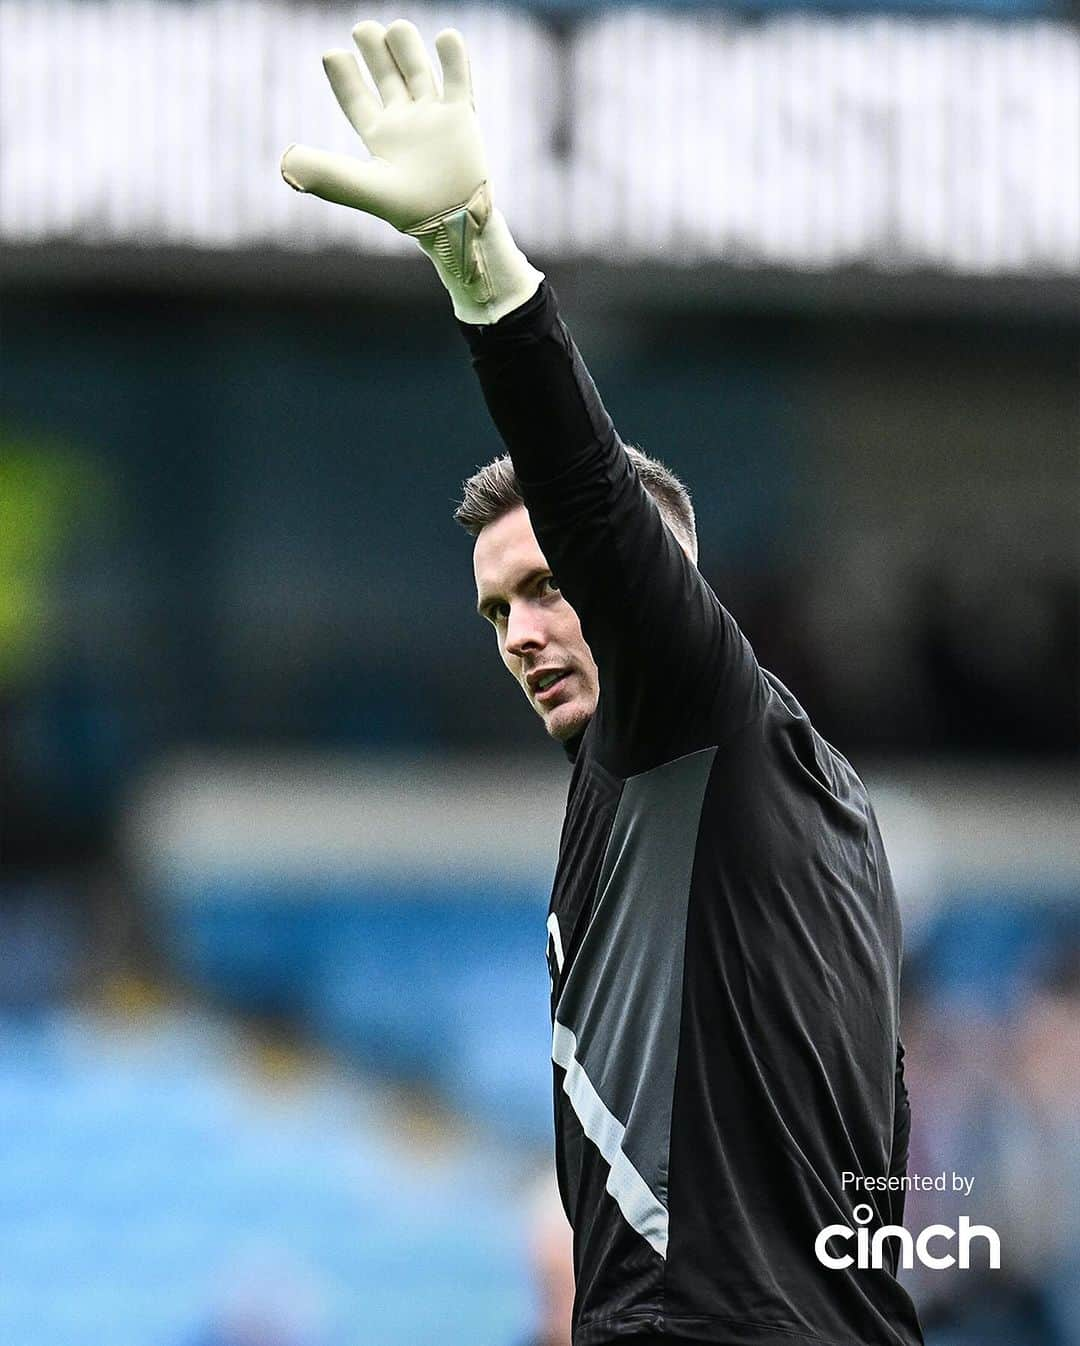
(137, 1202)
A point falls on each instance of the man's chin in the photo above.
(565, 721)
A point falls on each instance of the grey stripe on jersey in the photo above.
(617, 1021)
(640, 1207)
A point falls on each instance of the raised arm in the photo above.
(675, 672)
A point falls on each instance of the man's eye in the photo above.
(498, 612)
(548, 585)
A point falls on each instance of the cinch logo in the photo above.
(869, 1249)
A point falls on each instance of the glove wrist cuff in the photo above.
(477, 260)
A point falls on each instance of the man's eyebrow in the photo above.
(537, 572)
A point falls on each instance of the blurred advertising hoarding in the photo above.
(800, 141)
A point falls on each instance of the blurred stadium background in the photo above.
(276, 836)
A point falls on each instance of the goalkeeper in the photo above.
(723, 940)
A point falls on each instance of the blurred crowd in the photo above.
(996, 1097)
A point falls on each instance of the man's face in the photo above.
(539, 634)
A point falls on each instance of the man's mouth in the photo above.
(546, 687)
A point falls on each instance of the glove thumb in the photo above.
(364, 185)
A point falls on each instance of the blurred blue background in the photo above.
(277, 837)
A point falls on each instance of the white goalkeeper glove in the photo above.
(427, 175)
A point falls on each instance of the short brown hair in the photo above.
(494, 491)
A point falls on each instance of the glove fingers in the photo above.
(370, 37)
(457, 77)
(338, 178)
(407, 48)
(354, 97)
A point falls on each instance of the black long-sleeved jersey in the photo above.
(724, 936)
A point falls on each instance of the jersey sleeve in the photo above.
(676, 673)
(901, 1141)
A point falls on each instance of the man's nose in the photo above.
(524, 630)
